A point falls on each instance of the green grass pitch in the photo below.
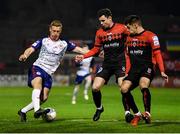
(78, 118)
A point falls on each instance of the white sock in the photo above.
(138, 114)
(99, 108)
(36, 99)
(87, 85)
(27, 108)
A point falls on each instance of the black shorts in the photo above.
(107, 72)
(135, 73)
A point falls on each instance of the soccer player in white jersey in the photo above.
(52, 50)
(83, 74)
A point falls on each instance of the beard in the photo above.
(105, 28)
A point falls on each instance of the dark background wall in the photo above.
(24, 21)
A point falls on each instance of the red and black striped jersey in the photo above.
(112, 41)
(144, 49)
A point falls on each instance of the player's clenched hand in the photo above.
(79, 58)
(22, 57)
(164, 76)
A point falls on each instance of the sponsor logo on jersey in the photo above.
(155, 40)
(137, 52)
(111, 45)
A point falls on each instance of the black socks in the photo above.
(146, 99)
(97, 98)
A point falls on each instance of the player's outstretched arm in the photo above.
(26, 54)
(90, 53)
(80, 50)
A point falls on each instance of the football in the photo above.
(50, 116)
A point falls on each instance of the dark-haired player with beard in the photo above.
(111, 37)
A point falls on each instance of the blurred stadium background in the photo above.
(24, 21)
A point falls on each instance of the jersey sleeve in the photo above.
(37, 45)
(156, 51)
(154, 41)
(70, 46)
(96, 48)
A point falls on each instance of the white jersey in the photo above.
(84, 67)
(51, 53)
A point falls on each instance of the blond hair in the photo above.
(56, 23)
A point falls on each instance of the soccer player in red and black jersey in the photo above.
(143, 52)
(111, 37)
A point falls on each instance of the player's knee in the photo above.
(143, 85)
(96, 87)
(37, 83)
(124, 88)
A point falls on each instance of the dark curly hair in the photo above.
(131, 19)
(105, 11)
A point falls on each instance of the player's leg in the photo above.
(44, 95)
(28, 108)
(127, 87)
(35, 104)
(35, 76)
(97, 84)
(137, 113)
(144, 85)
(43, 82)
(130, 82)
(47, 84)
(78, 81)
(43, 98)
(22, 112)
(102, 77)
(88, 81)
(37, 87)
(75, 92)
(145, 81)
(128, 101)
(128, 115)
